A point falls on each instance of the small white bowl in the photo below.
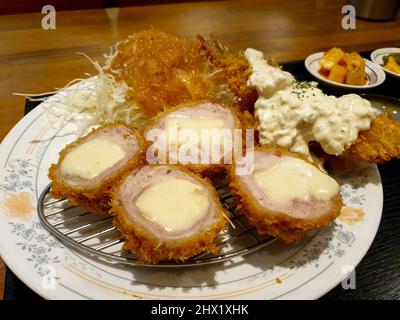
(377, 57)
(374, 73)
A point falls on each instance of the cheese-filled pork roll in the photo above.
(167, 213)
(286, 195)
(200, 136)
(88, 167)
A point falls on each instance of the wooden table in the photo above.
(33, 60)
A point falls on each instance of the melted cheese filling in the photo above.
(174, 204)
(189, 130)
(91, 158)
(293, 178)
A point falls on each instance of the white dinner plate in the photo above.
(374, 73)
(377, 57)
(305, 270)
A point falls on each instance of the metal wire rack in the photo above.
(96, 236)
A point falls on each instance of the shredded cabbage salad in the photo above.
(93, 101)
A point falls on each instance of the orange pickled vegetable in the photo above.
(338, 74)
(331, 58)
(355, 66)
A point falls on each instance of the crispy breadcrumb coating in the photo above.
(278, 224)
(380, 143)
(95, 199)
(163, 71)
(149, 248)
(235, 70)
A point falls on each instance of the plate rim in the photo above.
(15, 267)
(362, 253)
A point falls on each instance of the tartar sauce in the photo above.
(291, 113)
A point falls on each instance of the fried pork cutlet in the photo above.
(380, 143)
(286, 196)
(88, 167)
(167, 213)
(177, 135)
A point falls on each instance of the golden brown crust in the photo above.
(161, 70)
(235, 70)
(380, 143)
(148, 248)
(278, 224)
(243, 120)
(95, 199)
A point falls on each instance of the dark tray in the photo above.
(378, 274)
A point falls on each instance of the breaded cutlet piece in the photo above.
(230, 115)
(149, 239)
(290, 221)
(93, 194)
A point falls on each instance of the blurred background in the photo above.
(26, 6)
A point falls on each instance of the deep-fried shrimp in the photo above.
(234, 70)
